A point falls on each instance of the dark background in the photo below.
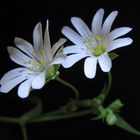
(17, 19)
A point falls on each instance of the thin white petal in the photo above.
(108, 22)
(25, 46)
(105, 62)
(13, 74)
(37, 37)
(73, 49)
(47, 45)
(118, 43)
(90, 65)
(18, 57)
(72, 35)
(59, 59)
(39, 81)
(9, 85)
(97, 22)
(57, 45)
(81, 27)
(119, 32)
(24, 88)
(72, 59)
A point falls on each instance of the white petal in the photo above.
(71, 35)
(24, 88)
(13, 74)
(39, 81)
(118, 43)
(97, 22)
(37, 37)
(9, 85)
(25, 46)
(81, 27)
(73, 49)
(18, 57)
(119, 32)
(90, 65)
(59, 59)
(47, 45)
(108, 22)
(57, 45)
(72, 59)
(105, 62)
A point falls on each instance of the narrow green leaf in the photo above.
(124, 125)
(113, 55)
(36, 111)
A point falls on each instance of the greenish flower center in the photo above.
(96, 46)
(39, 62)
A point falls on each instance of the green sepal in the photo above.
(110, 117)
(124, 125)
(113, 55)
(35, 112)
(54, 72)
(116, 105)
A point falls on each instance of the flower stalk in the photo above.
(70, 86)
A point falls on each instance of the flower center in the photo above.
(38, 63)
(96, 46)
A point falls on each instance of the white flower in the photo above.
(94, 44)
(38, 61)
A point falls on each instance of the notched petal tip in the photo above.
(63, 40)
(100, 10)
(24, 89)
(18, 41)
(130, 40)
(74, 19)
(65, 30)
(115, 12)
(38, 25)
(9, 49)
(3, 91)
(39, 81)
(129, 28)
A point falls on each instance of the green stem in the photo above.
(109, 85)
(24, 132)
(15, 120)
(8, 120)
(64, 116)
(104, 93)
(70, 86)
(57, 112)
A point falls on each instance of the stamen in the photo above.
(37, 67)
(96, 46)
(42, 52)
(25, 62)
(40, 57)
(98, 38)
(92, 36)
(30, 68)
(90, 43)
(84, 42)
(43, 63)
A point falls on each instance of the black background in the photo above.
(17, 19)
